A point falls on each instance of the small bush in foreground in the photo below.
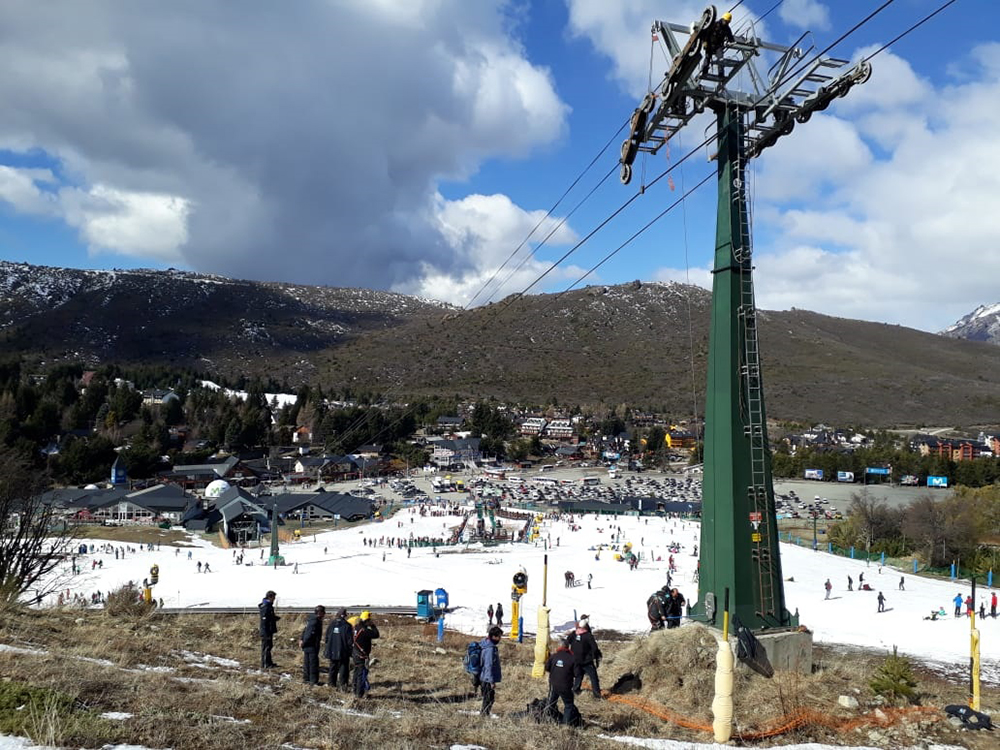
(894, 679)
(127, 601)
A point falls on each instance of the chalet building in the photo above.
(956, 450)
(158, 397)
(302, 435)
(533, 426)
(199, 476)
(447, 452)
(449, 423)
(559, 429)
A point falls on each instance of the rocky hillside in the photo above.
(640, 344)
(186, 318)
(982, 324)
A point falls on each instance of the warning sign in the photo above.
(755, 537)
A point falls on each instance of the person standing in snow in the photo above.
(499, 615)
(993, 605)
(902, 583)
(850, 583)
(489, 614)
(958, 604)
(829, 587)
(881, 602)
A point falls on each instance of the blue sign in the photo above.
(814, 473)
(877, 470)
(937, 481)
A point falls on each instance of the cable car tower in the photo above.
(739, 533)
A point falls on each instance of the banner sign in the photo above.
(937, 481)
(814, 473)
(877, 470)
(845, 476)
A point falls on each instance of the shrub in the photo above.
(894, 679)
(127, 601)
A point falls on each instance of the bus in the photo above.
(495, 472)
(590, 481)
(552, 481)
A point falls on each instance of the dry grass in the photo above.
(91, 663)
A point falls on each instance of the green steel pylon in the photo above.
(739, 534)
(713, 67)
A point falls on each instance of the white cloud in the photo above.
(303, 142)
(484, 230)
(151, 225)
(19, 189)
(805, 14)
(904, 234)
(701, 276)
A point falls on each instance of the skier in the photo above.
(958, 604)
(881, 602)
(829, 587)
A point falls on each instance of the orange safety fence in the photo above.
(796, 719)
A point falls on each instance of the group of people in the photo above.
(347, 647)
(665, 608)
(970, 606)
(576, 657)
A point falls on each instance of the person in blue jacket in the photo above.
(958, 605)
(489, 672)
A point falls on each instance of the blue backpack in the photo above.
(473, 659)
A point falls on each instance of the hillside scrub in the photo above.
(191, 681)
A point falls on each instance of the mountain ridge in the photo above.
(642, 344)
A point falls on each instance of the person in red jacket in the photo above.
(993, 605)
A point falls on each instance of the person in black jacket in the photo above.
(563, 670)
(268, 627)
(364, 633)
(339, 644)
(675, 608)
(312, 637)
(588, 656)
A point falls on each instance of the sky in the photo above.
(413, 146)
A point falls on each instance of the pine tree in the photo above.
(894, 679)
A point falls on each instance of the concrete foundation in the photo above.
(787, 650)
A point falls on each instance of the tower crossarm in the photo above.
(706, 72)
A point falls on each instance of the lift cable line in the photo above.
(716, 136)
(547, 215)
(640, 116)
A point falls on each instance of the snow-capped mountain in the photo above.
(982, 324)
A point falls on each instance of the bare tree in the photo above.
(33, 538)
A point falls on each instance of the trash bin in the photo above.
(440, 598)
(424, 608)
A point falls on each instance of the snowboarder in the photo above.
(829, 587)
(881, 602)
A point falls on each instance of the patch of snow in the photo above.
(116, 715)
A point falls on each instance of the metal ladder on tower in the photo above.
(753, 402)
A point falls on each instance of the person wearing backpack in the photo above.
(473, 662)
(489, 670)
(312, 636)
(339, 644)
(563, 669)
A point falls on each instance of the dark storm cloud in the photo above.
(305, 137)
